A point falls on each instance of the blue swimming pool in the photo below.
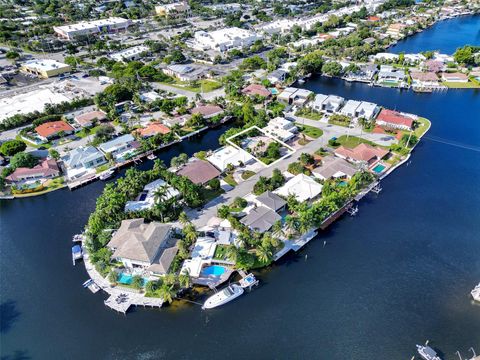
(379, 168)
(215, 270)
(127, 279)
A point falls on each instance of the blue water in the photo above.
(445, 36)
(395, 275)
(215, 270)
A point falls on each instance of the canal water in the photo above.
(397, 274)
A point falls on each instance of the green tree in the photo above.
(12, 147)
(332, 68)
(137, 282)
(22, 159)
(214, 184)
(54, 154)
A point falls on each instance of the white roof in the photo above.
(367, 109)
(228, 155)
(302, 186)
(44, 64)
(149, 199)
(334, 99)
(350, 107)
(129, 53)
(319, 99)
(84, 25)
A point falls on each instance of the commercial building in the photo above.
(173, 10)
(109, 25)
(130, 54)
(45, 68)
(224, 39)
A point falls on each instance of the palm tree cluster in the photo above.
(167, 286)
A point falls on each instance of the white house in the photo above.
(350, 108)
(277, 76)
(281, 128)
(118, 146)
(224, 39)
(317, 103)
(367, 110)
(80, 160)
(229, 155)
(146, 199)
(333, 103)
(302, 186)
(130, 54)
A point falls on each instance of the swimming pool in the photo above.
(379, 168)
(127, 279)
(214, 270)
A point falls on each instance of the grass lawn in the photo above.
(310, 131)
(103, 168)
(308, 114)
(220, 252)
(422, 129)
(31, 144)
(321, 152)
(210, 194)
(247, 174)
(352, 141)
(461, 85)
(230, 180)
(92, 132)
(205, 85)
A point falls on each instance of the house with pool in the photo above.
(364, 154)
(145, 249)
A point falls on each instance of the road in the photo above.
(200, 219)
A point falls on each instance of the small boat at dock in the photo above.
(77, 253)
(224, 296)
(427, 353)
(106, 175)
(77, 238)
(301, 81)
(151, 157)
(91, 285)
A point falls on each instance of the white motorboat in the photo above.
(151, 157)
(427, 353)
(476, 293)
(224, 296)
(106, 175)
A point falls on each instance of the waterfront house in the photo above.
(362, 153)
(52, 129)
(152, 129)
(89, 118)
(260, 219)
(119, 146)
(334, 168)
(424, 79)
(199, 171)
(180, 120)
(434, 65)
(271, 200)
(46, 169)
(390, 75)
(367, 110)
(294, 95)
(333, 103)
(287, 94)
(146, 199)
(454, 77)
(256, 90)
(80, 160)
(396, 30)
(207, 111)
(382, 56)
(394, 120)
(277, 76)
(317, 103)
(229, 155)
(143, 247)
(303, 187)
(365, 73)
(350, 108)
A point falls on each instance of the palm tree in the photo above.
(232, 253)
(190, 233)
(169, 279)
(184, 281)
(264, 254)
(291, 223)
(183, 218)
(167, 293)
(277, 228)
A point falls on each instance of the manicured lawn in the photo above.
(103, 168)
(230, 180)
(247, 174)
(210, 194)
(220, 252)
(205, 85)
(92, 132)
(352, 141)
(422, 129)
(308, 114)
(310, 131)
(460, 85)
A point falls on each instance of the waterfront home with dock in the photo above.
(46, 169)
(303, 187)
(260, 219)
(199, 171)
(82, 160)
(143, 248)
(394, 120)
(362, 153)
(146, 199)
(119, 147)
(334, 168)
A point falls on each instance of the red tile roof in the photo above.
(362, 152)
(424, 76)
(256, 89)
(153, 129)
(199, 171)
(394, 117)
(51, 128)
(47, 168)
(206, 110)
(373, 18)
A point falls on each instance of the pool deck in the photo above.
(130, 297)
(213, 280)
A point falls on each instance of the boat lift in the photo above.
(352, 210)
(377, 188)
(77, 253)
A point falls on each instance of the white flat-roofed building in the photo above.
(146, 199)
(333, 103)
(228, 155)
(112, 24)
(317, 103)
(281, 128)
(350, 108)
(224, 39)
(130, 54)
(367, 110)
(45, 68)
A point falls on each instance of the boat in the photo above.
(106, 175)
(301, 81)
(91, 285)
(77, 253)
(427, 353)
(476, 293)
(224, 296)
(151, 157)
(77, 238)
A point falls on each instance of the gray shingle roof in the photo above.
(271, 200)
(261, 219)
